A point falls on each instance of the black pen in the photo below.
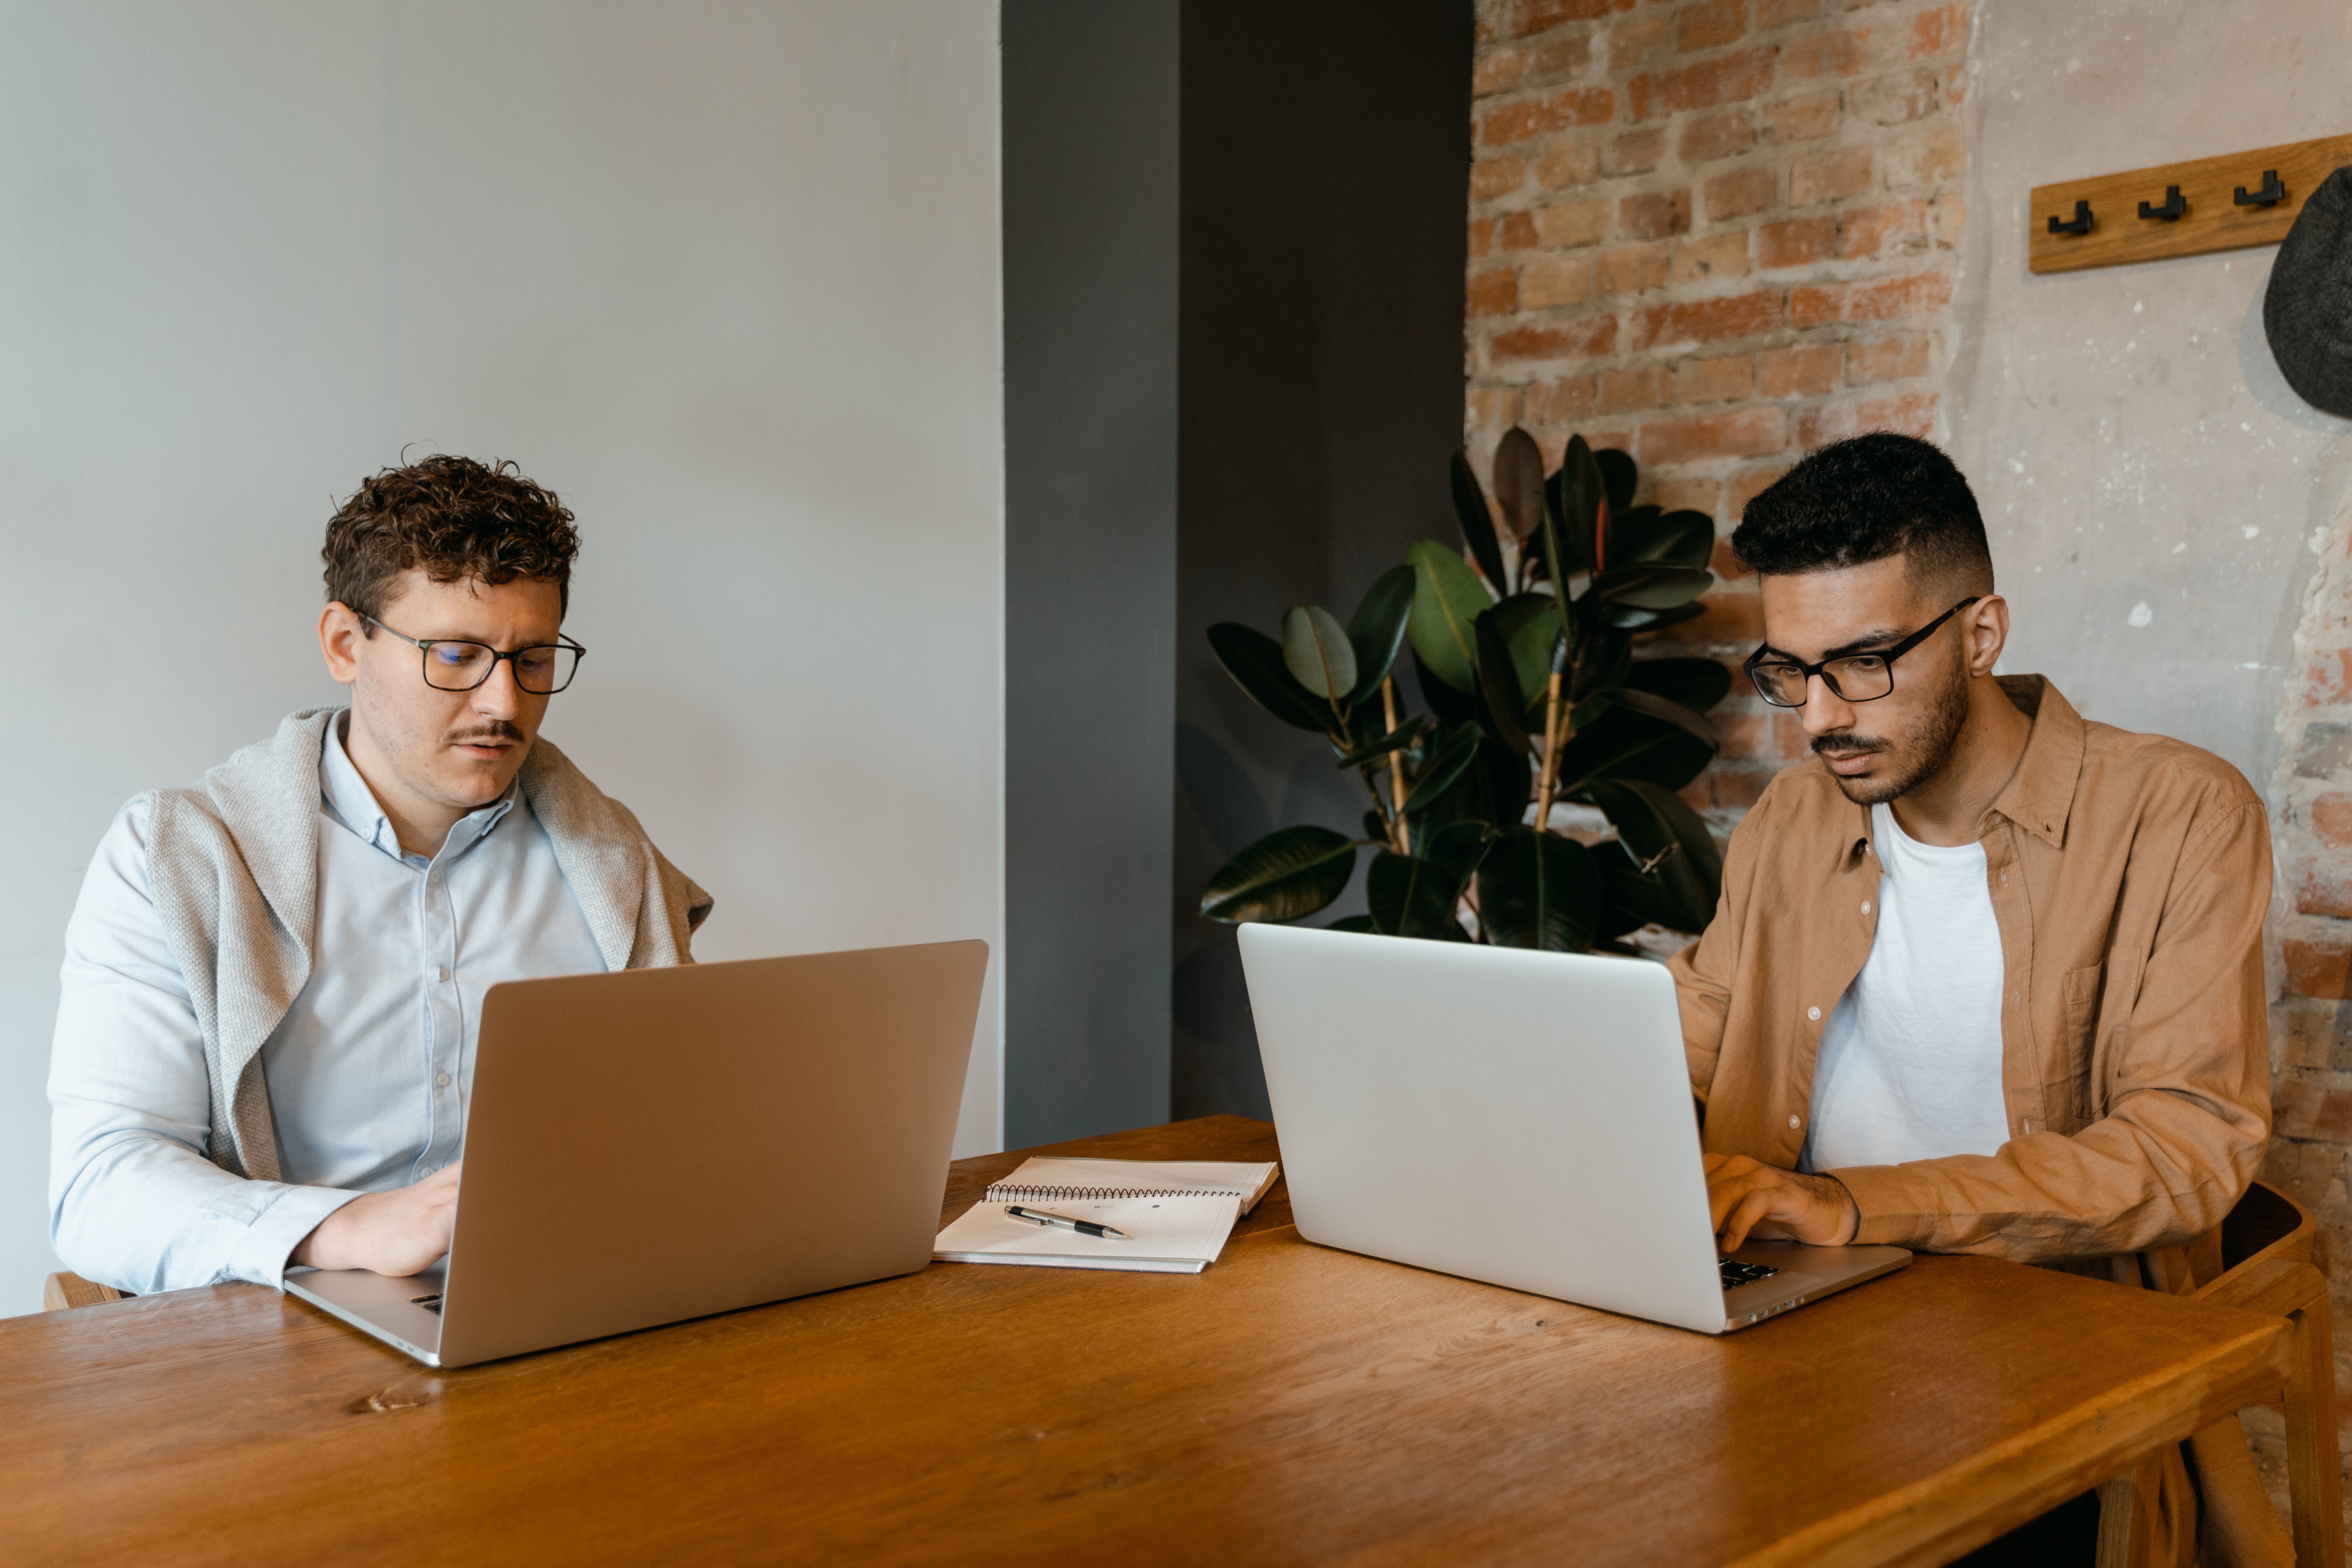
(1083, 1226)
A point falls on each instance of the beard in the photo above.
(1916, 757)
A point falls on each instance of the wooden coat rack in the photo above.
(2179, 209)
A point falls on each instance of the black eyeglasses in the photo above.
(452, 665)
(1855, 678)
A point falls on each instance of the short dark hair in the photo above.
(452, 517)
(1863, 500)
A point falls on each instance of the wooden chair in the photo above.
(2266, 1244)
(59, 1292)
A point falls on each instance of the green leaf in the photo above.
(1404, 734)
(1478, 523)
(1577, 498)
(1537, 889)
(1631, 900)
(1290, 872)
(1254, 661)
(1649, 587)
(1316, 651)
(1355, 922)
(1527, 625)
(1660, 831)
(1447, 600)
(1520, 481)
(1619, 477)
(1447, 705)
(1506, 784)
(1417, 895)
(1626, 734)
(1697, 684)
(1647, 537)
(1443, 767)
(1378, 631)
(1625, 618)
(1375, 829)
(1498, 683)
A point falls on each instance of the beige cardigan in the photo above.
(233, 867)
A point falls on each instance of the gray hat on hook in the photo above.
(2308, 310)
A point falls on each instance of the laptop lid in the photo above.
(657, 1144)
(1516, 1117)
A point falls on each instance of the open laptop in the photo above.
(658, 1145)
(1516, 1117)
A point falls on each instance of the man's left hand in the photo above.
(1746, 1198)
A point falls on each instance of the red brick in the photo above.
(1825, 54)
(2326, 890)
(1865, 232)
(2331, 820)
(1494, 407)
(1802, 119)
(1717, 256)
(1926, 157)
(1562, 281)
(1630, 391)
(1771, 13)
(1632, 269)
(1682, 322)
(1633, 44)
(1567, 163)
(2314, 968)
(1799, 242)
(1831, 176)
(1569, 401)
(1725, 562)
(1680, 492)
(1516, 231)
(1492, 177)
(2303, 1108)
(1739, 194)
(1734, 620)
(1736, 788)
(1742, 433)
(1635, 153)
(1724, 380)
(1728, 78)
(1896, 98)
(2328, 679)
(1944, 28)
(1951, 211)
(1877, 299)
(1807, 370)
(1745, 737)
(1886, 359)
(1560, 56)
(1482, 236)
(1498, 71)
(1710, 24)
(1586, 337)
(1565, 224)
(1717, 136)
(1741, 489)
(1540, 116)
(1653, 215)
(1913, 414)
(1542, 15)
(1494, 293)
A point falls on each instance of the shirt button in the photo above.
(2005, 878)
(440, 972)
(1814, 1013)
(440, 1080)
(1865, 906)
(1794, 1121)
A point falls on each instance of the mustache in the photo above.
(495, 730)
(1847, 745)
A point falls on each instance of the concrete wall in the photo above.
(723, 274)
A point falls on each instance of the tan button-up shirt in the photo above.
(2129, 876)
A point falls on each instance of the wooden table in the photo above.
(1291, 1405)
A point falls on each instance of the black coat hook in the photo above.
(2172, 209)
(2079, 224)
(2272, 192)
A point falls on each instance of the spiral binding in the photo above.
(1004, 1192)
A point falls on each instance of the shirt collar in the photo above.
(2039, 795)
(349, 800)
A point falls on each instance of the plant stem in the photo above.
(1552, 741)
(1396, 769)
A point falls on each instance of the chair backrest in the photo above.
(2267, 1223)
(59, 1292)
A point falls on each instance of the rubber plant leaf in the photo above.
(1529, 627)
(1669, 844)
(1447, 600)
(1444, 767)
(1417, 895)
(1356, 924)
(1539, 890)
(1404, 734)
(1649, 587)
(1254, 661)
(1620, 478)
(1498, 683)
(1647, 537)
(1378, 631)
(1625, 618)
(1477, 522)
(1615, 737)
(1582, 501)
(1316, 650)
(1519, 482)
(1697, 684)
(1289, 873)
(1448, 706)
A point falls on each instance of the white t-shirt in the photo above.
(1910, 1062)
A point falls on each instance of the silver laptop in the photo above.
(658, 1144)
(1516, 1117)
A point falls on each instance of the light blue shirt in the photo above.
(369, 1072)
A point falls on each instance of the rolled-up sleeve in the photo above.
(133, 1201)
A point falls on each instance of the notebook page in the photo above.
(1049, 1178)
(1166, 1235)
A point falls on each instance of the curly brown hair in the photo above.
(452, 517)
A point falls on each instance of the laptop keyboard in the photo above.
(433, 1303)
(1734, 1273)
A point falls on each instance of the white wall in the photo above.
(722, 274)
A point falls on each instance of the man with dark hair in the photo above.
(1986, 977)
(273, 980)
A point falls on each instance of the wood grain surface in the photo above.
(1292, 1403)
(2208, 185)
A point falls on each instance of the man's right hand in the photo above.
(398, 1233)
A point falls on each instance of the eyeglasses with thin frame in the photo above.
(1785, 682)
(452, 663)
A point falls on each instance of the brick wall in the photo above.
(1716, 234)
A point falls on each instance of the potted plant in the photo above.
(1525, 660)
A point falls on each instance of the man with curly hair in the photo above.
(273, 980)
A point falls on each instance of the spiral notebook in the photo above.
(1176, 1214)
